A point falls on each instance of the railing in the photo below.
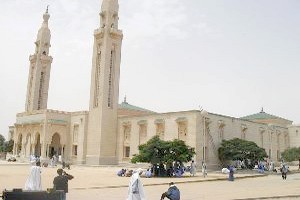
(215, 149)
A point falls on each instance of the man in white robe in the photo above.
(135, 189)
(193, 168)
(33, 181)
(33, 160)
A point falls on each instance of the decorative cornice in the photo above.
(221, 123)
(244, 127)
(159, 121)
(126, 123)
(181, 119)
(142, 122)
(261, 129)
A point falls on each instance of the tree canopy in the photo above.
(291, 154)
(238, 149)
(159, 151)
(2, 143)
(6, 146)
(9, 145)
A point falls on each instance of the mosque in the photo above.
(110, 133)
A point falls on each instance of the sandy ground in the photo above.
(103, 183)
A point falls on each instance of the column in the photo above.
(15, 149)
(43, 150)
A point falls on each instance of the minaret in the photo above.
(39, 71)
(104, 92)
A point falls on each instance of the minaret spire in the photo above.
(39, 71)
(104, 92)
(110, 5)
(109, 14)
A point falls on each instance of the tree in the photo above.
(2, 143)
(159, 151)
(238, 149)
(291, 154)
(9, 145)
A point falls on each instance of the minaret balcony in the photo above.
(116, 32)
(99, 33)
(32, 57)
(45, 58)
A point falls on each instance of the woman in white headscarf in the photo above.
(135, 189)
(34, 181)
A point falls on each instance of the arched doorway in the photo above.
(55, 146)
(37, 148)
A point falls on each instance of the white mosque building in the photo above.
(110, 133)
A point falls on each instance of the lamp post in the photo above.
(271, 129)
(204, 114)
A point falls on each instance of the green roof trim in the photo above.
(57, 121)
(262, 115)
(26, 122)
(127, 106)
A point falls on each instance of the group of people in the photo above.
(34, 180)
(136, 189)
(125, 173)
(261, 167)
(175, 170)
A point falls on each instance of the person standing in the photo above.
(34, 181)
(52, 161)
(284, 170)
(204, 170)
(193, 168)
(231, 173)
(33, 160)
(271, 166)
(135, 188)
(173, 193)
(60, 182)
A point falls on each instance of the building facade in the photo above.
(110, 133)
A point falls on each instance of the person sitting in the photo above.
(65, 165)
(170, 171)
(173, 193)
(179, 172)
(121, 172)
(260, 168)
(148, 173)
(129, 173)
(225, 170)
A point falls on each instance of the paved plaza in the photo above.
(103, 183)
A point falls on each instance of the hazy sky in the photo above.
(230, 57)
